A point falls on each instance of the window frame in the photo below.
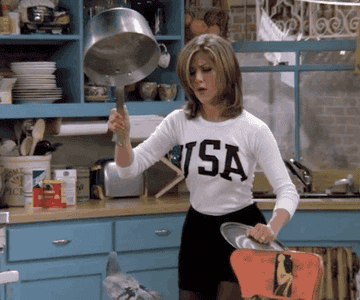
(297, 47)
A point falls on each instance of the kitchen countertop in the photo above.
(150, 205)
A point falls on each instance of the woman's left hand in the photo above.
(261, 233)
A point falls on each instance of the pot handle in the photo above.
(165, 49)
(120, 98)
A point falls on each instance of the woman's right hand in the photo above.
(119, 123)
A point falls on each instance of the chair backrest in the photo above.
(277, 274)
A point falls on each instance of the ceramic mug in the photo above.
(164, 59)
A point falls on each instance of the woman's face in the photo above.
(203, 77)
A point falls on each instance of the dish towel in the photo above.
(120, 286)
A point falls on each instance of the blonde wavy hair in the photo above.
(228, 71)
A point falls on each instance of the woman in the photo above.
(221, 145)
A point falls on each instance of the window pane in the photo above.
(259, 59)
(330, 111)
(327, 57)
(269, 98)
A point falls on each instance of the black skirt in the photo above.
(204, 258)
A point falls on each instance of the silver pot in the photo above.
(120, 48)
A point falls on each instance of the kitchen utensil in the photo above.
(159, 21)
(44, 147)
(164, 59)
(148, 90)
(37, 134)
(18, 133)
(235, 234)
(25, 146)
(119, 49)
(167, 92)
(27, 126)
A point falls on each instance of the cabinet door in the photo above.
(74, 288)
(64, 278)
(155, 269)
(163, 281)
(58, 240)
(154, 232)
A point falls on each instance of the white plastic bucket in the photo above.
(13, 170)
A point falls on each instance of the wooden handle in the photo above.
(322, 292)
(120, 98)
(33, 146)
(341, 274)
(329, 288)
(349, 264)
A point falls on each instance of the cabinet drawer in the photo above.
(47, 241)
(150, 233)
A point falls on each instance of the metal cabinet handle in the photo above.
(162, 232)
(61, 242)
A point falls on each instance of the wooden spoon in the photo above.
(18, 133)
(26, 145)
(37, 134)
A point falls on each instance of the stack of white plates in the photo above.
(35, 83)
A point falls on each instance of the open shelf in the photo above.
(53, 110)
(67, 51)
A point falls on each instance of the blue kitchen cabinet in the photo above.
(322, 228)
(58, 260)
(156, 269)
(147, 247)
(67, 51)
(148, 250)
(67, 259)
(75, 279)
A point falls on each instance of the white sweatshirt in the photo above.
(219, 160)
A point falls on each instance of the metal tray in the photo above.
(235, 235)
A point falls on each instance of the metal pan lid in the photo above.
(235, 235)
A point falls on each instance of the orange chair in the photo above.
(277, 274)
